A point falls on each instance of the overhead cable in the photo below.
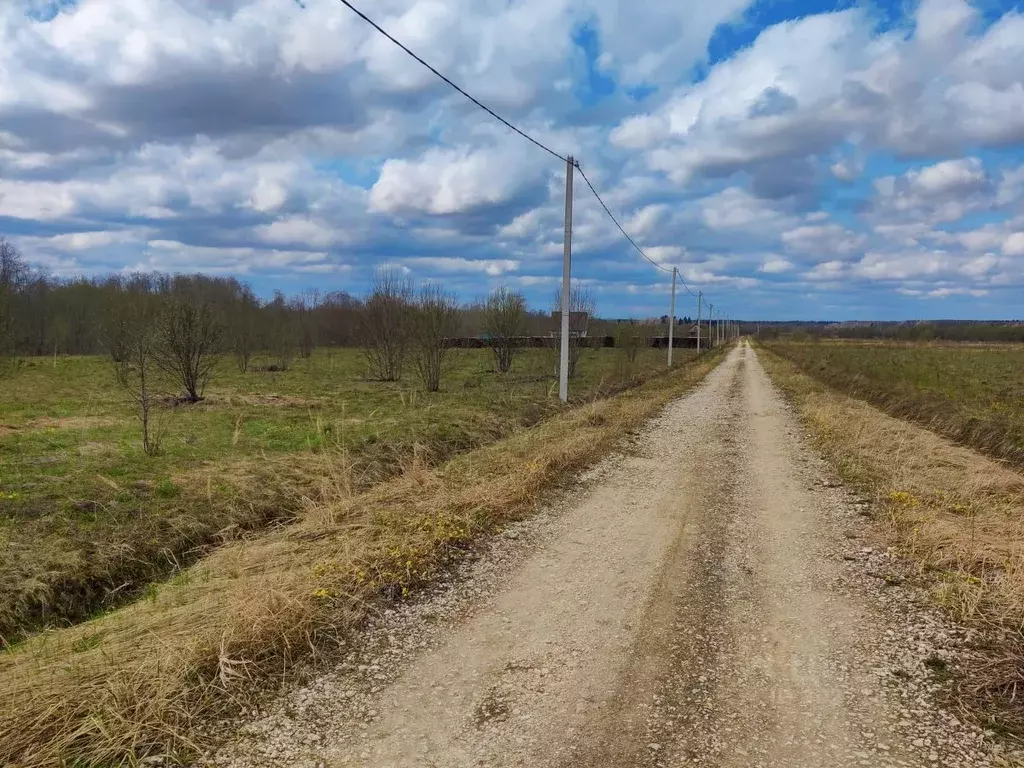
(514, 128)
(482, 106)
(625, 234)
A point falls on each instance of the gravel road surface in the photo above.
(706, 597)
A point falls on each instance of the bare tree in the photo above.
(339, 316)
(187, 344)
(630, 338)
(504, 321)
(244, 330)
(435, 319)
(244, 336)
(132, 340)
(386, 325)
(13, 274)
(281, 334)
(305, 307)
(581, 309)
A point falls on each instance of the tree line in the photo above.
(183, 324)
(45, 315)
(911, 330)
(166, 334)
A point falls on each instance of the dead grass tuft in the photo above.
(957, 513)
(144, 680)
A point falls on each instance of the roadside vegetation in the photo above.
(88, 519)
(958, 513)
(970, 393)
(196, 414)
(200, 489)
(143, 680)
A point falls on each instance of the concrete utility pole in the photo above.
(711, 326)
(700, 299)
(563, 365)
(672, 318)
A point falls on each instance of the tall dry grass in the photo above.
(968, 393)
(957, 513)
(145, 680)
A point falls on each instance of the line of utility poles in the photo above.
(715, 329)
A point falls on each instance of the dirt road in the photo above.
(702, 599)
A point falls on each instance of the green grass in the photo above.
(971, 393)
(88, 520)
(158, 676)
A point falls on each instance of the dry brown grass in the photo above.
(968, 393)
(957, 513)
(142, 681)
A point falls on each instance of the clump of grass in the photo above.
(255, 610)
(166, 489)
(957, 513)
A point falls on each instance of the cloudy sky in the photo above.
(794, 158)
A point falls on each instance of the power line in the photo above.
(625, 234)
(522, 133)
(482, 106)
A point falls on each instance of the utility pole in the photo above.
(672, 318)
(700, 299)
(563, 366)
(711, 326)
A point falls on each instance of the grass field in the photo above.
(971, 393)
(149, 678)
(88, 520)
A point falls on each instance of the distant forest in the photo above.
(913, 330)
(45, 315)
